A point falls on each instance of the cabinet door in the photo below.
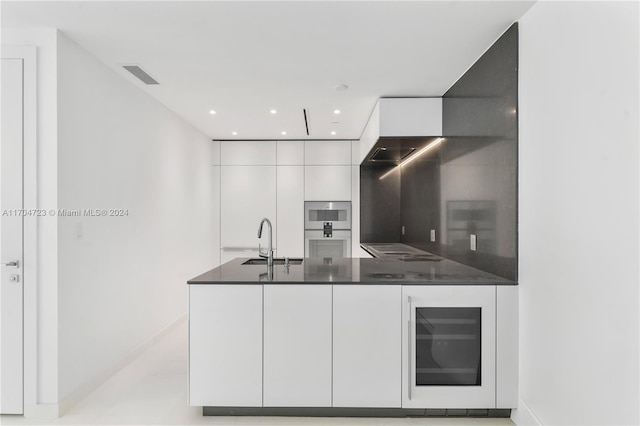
(297, 346)
(328, 153)
(367, 346)
(327, 183)
(248, 153)
(247, 195)
(448, 347)
(290, 201)
(225, 345)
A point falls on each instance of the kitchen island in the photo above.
(347, 337)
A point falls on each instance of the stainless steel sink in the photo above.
(276, 261)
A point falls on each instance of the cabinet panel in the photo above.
(225, 345)
(290, 153)
(290, 202)
(247, 196)
(442, 328)
(327, 153)
(507, 346)
(327, 183)
(246, 153)
(297, 346)
(367, 346)
(410, 117)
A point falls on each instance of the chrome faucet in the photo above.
(269, 254)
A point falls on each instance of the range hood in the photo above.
(393, 151)
(398, 127)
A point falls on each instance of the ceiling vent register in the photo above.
(140, 74)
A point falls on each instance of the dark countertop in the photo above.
(352, 271)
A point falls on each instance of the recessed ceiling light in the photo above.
(212, 112)
(273, 111)
(336, 111)
(333, 133)
(283, 133)
(234, 133)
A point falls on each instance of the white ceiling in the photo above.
(242, 59)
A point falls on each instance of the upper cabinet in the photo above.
(248, 153)
(401, 117)
(290, 153)
(327, 153)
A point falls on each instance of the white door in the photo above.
(297, 346)
(367, 355)
(247, 194)
(225, 345)
(11, 224)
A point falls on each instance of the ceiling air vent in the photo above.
(140, 74)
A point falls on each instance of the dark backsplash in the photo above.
(468, 185)
(381, 224)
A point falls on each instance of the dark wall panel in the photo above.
(479, 161)
(379, 205)
(420, 201)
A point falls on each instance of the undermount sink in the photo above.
(276, 261)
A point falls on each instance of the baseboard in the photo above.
(42, 412)
(83, 391)
(523, 415)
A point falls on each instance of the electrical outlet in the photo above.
(402, 229)
(472, 242)
(433, 235)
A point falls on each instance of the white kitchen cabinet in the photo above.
(290, 202)
(327, 153)
(225, 345)
(297, 346)
(327, 183)
(248, 153)
(290, 153)
(448, 332)
(247, 195)
(367, 343)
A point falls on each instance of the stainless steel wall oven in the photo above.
(327, 229)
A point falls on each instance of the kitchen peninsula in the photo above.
(351, 336)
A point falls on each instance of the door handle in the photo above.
(14, 263)
(409, 348)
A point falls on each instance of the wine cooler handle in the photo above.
(409, 375)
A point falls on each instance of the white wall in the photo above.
(43, 388)
(579, 214)
(123, 279)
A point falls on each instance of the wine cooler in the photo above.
(449, 347)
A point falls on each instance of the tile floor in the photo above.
(152, 390)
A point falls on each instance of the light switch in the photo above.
(472, 242)
(433, 235)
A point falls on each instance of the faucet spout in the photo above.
(269, 254)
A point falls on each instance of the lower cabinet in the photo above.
(377, 346)
(367, 346)
(225, 345)
(297, 345)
